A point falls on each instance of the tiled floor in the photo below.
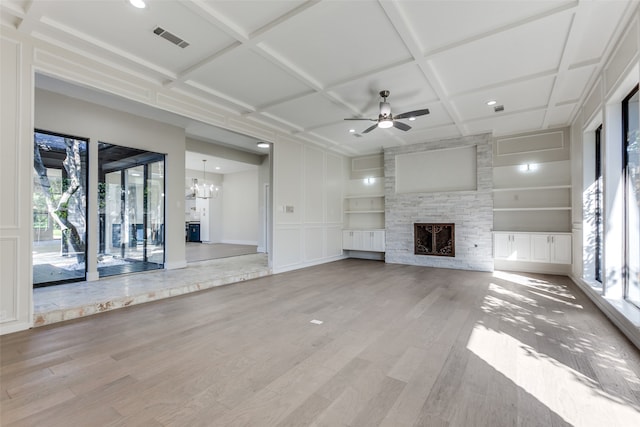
(64, 302)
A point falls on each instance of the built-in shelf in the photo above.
(558, 208)
(546, 187)
(532, 201)
(363, 206)
(363, 196)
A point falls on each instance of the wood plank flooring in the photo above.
(399, 346)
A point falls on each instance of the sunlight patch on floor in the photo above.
(531, 282)
(568, 393)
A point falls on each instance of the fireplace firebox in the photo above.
(436, 239)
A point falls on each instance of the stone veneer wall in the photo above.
(471, 211)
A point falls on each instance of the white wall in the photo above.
(317, 240)
(240, 214)
(307, 205)
(602, 105)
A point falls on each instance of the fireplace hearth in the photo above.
(437, 239)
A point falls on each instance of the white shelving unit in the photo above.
(538, 200)
(532, 217)
(364, 217)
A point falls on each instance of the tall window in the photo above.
(59, 208)
(599, 236)
(631, 173)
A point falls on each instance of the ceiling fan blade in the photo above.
(358, 118)
(402, 126)
(415, 113)
(369, 129)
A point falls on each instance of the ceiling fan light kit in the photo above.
(386, 120)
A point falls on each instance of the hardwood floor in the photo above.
(399, 346)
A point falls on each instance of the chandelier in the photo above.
(203, 190)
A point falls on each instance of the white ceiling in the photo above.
(303, 66)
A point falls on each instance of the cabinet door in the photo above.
(521, 247)
(378, 240)
(353, 240)
(540, 248)
(501, 245)
(366, 240)
(561, 249)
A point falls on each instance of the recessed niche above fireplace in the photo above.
(437, 239)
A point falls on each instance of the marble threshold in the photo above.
(69, 301)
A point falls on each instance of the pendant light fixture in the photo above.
(203, 190)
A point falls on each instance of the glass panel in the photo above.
(59, 208)
(111, 220)
(633, 201)
(155, 212)
(134, 214)
(131, 213)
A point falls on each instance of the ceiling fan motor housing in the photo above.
(385, 109)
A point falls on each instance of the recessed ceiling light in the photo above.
(140, 4)
(411, 118)
(492, 102)
(352, 130)
(263, 144)
(217, 168)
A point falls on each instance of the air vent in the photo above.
(498, 108)
(170, 36)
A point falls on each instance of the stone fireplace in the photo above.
(417, 193)
(437, 239)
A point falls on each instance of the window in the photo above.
(599, 234)
(59, 208)
(631, 174)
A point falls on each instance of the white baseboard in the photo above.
(14, 326)
(376, 256)
(292, 267)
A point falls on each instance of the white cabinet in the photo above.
(363, 240)
(552, 248)
(512, 246)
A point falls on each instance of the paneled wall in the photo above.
(16, 146)
(308, 184)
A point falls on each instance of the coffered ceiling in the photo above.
(303, 66)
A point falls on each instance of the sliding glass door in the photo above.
(632, 197)
(131, 223)
(59, 208)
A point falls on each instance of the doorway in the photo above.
(131, 210)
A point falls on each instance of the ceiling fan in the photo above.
(386, 119)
